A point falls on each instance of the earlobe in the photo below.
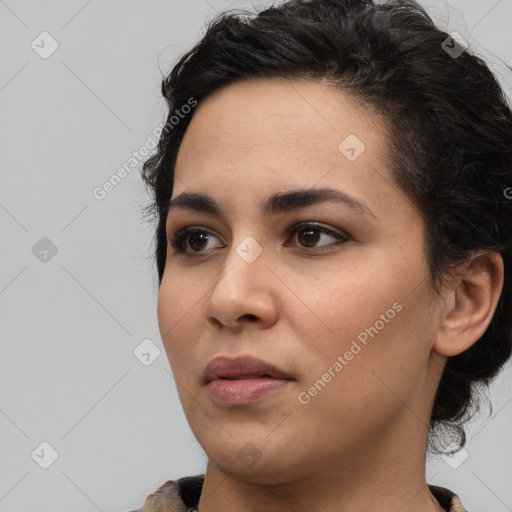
(470, 301)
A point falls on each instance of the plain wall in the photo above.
(78, 286)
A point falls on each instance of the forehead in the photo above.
(261, 136)
(278, 119)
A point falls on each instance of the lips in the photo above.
(242, 381)
(241, 368)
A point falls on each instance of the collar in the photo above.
(183, 495)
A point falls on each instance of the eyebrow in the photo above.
(280, 202)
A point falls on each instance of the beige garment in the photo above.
(167, 497)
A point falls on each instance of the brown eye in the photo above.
(191, 240)
(309, 234)
(194, 240)
(198, 240)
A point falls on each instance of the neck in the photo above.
(387, 477)
(224, 492)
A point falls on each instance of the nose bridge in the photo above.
(244, 263)
(241, 291)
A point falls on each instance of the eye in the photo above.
(310, 233)
(196, 237)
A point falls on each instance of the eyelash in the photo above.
(179, 237)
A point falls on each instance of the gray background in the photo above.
(70, 321)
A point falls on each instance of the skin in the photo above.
(360, 443)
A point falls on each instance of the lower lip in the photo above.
(227, 392)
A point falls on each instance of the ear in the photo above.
(469, 303)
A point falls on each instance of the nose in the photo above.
(244, 295)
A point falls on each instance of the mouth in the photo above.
(245, 377)
(242, 381)
(242, 368)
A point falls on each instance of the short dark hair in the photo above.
(447, 119)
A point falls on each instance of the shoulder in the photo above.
(180, 495)
(448, 499)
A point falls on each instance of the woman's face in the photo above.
(341, 306)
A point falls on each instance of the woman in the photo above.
(334, 250)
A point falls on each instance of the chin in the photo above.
(247, 463)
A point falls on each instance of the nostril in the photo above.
(216, 324)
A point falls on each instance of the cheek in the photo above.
(376, 320)
(372, 384)
(179, 319)
(178, 310)
(339, 306)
